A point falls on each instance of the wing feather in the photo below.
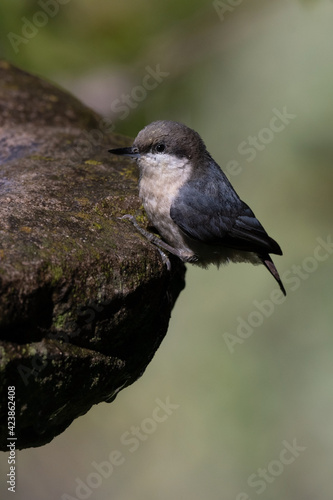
(208, 209)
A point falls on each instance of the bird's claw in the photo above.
(150, 237)
(127, 216)
(165, 259)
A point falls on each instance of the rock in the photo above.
(85, 301)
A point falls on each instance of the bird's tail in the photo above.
(269, 264)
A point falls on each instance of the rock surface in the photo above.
(85, 301)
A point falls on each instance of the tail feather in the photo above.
(269, 264)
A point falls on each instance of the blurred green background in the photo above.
(229, 65)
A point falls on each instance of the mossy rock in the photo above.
(85, 301)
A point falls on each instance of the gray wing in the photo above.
(209, 210)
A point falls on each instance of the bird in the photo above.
(191, 203)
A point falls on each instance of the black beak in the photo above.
(131, 152)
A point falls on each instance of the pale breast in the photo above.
(161, 177)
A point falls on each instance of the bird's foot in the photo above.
(153, 239)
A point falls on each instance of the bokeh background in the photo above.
(227, 66)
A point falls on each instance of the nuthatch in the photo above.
(192, 204)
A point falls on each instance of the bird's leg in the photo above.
(155, 240)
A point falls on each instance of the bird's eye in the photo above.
(160, 147)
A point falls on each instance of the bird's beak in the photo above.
(131, 152)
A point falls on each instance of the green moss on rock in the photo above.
(84, 300)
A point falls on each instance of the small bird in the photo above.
(192, 204)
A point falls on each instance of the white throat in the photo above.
(161, 177)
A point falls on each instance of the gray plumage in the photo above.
(192, 204)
